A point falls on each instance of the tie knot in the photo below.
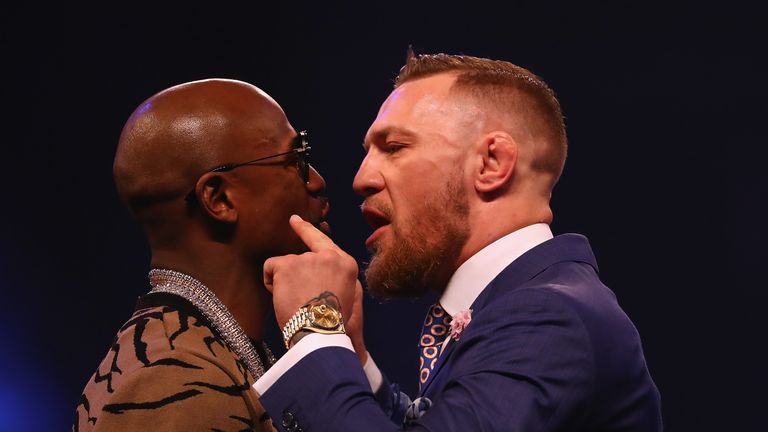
(436, 326)
(437, 315)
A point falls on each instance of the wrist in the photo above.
(297, 337)
(314, 317)
(362, 355)
(360, 350)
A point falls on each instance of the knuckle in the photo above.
(328, 256)
(280, 261)
(350, 263)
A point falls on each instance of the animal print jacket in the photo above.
(168, 370)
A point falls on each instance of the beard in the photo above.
(422, 253)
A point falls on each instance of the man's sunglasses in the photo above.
(300, 150)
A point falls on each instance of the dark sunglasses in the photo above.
(300, 150)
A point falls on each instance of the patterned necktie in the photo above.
(436, 328)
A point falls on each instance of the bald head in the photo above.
(181, 132)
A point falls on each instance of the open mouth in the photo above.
(377, 220)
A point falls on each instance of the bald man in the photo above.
(211, 170)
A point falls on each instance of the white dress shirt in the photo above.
(465, 285)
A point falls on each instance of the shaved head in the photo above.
(212, 171)
(172, 142)
(179, 133)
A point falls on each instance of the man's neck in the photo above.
(238, 285)
(487, 226)
(479, 270)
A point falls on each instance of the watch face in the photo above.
(324, 317)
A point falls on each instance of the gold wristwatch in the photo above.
(318, 318)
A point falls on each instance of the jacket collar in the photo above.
(563, 248)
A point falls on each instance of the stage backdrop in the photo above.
(661, 102)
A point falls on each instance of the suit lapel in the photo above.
(565, 247)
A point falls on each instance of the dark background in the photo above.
(663, 104)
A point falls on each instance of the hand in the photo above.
(323, 272)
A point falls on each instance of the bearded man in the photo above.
(461, 163)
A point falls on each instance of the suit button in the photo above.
(289, 422)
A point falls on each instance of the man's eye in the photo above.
(393, 147)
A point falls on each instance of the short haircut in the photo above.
(510, 89)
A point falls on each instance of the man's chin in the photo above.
(384, 282)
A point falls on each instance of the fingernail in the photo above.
(296, 216)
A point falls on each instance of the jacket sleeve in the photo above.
(325, 391)
(527, 367)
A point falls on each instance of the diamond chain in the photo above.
(183, 285)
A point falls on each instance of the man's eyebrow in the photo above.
(383, 133)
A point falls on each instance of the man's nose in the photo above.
(316, 183)
(368, 179)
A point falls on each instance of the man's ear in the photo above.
(498, 157)
(212, 190)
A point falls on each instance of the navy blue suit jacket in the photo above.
(548, 349)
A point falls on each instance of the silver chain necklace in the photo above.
(183, 285)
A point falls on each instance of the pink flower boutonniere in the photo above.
(459, 322)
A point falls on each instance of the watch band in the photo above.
(302, 320)
(297, 321)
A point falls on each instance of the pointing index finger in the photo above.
(315, 239)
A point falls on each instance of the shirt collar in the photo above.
(481, 268)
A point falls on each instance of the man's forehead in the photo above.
(419, 104)
(432, 88)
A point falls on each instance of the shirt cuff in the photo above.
(303, 347)
(373, 373)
